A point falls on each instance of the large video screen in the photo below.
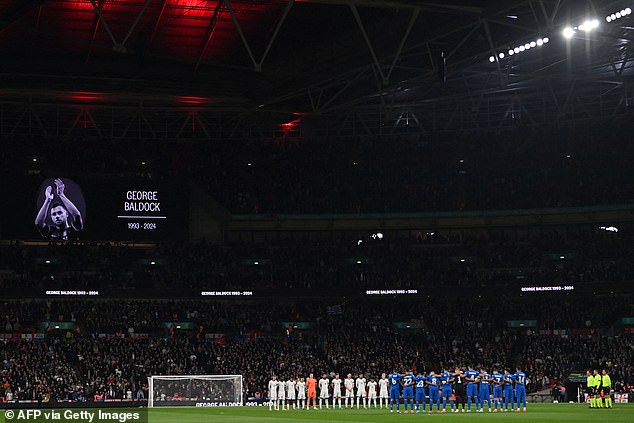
(74, 209)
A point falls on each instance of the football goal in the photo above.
(195, 391)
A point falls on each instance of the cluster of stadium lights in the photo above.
(593, 24)
(618, 15)
(568, 32)
(587, 26)
(522, 48)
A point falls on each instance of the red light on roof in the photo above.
(188, 99)
(80, 4)
(290, 125)
(86, 96)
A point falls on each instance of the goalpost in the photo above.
(195, 391)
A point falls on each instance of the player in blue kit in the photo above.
(509, 395)
(446, 381)
(485, 395)
(471, 377)
(408, 390)
(395, 391)
(420, 392)
(520, 389)
(498, 381)
(434, 396)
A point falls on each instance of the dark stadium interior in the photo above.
(283, 187)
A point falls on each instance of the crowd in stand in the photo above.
(113, 346)
(114, 358)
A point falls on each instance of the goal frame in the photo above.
(151, 379)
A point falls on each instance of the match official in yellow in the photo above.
(606, 385)
(597, 389)
(590, 388)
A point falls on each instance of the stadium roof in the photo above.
(361, 66)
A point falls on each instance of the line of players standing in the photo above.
(283, 394)
(467, 387)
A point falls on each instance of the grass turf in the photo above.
(550, 413)
(537, 413)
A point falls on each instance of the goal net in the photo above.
(195, 391)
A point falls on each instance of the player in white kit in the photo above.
(384, 382)
(348, 383)
(323, 390)
(290, 393)
(336, 391)
(281, 394)
(371, 392)
(301, 393)
(273, 393)
(360, 384)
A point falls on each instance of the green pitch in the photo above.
(551, 413)
(547, 413)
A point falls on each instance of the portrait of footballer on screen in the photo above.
(61, 209)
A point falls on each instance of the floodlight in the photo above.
(589, 25)
(511, 52)
(501, 55)
(491, 59)
(540, 42)
(568, 32)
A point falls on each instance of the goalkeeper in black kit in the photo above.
(460, 390)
